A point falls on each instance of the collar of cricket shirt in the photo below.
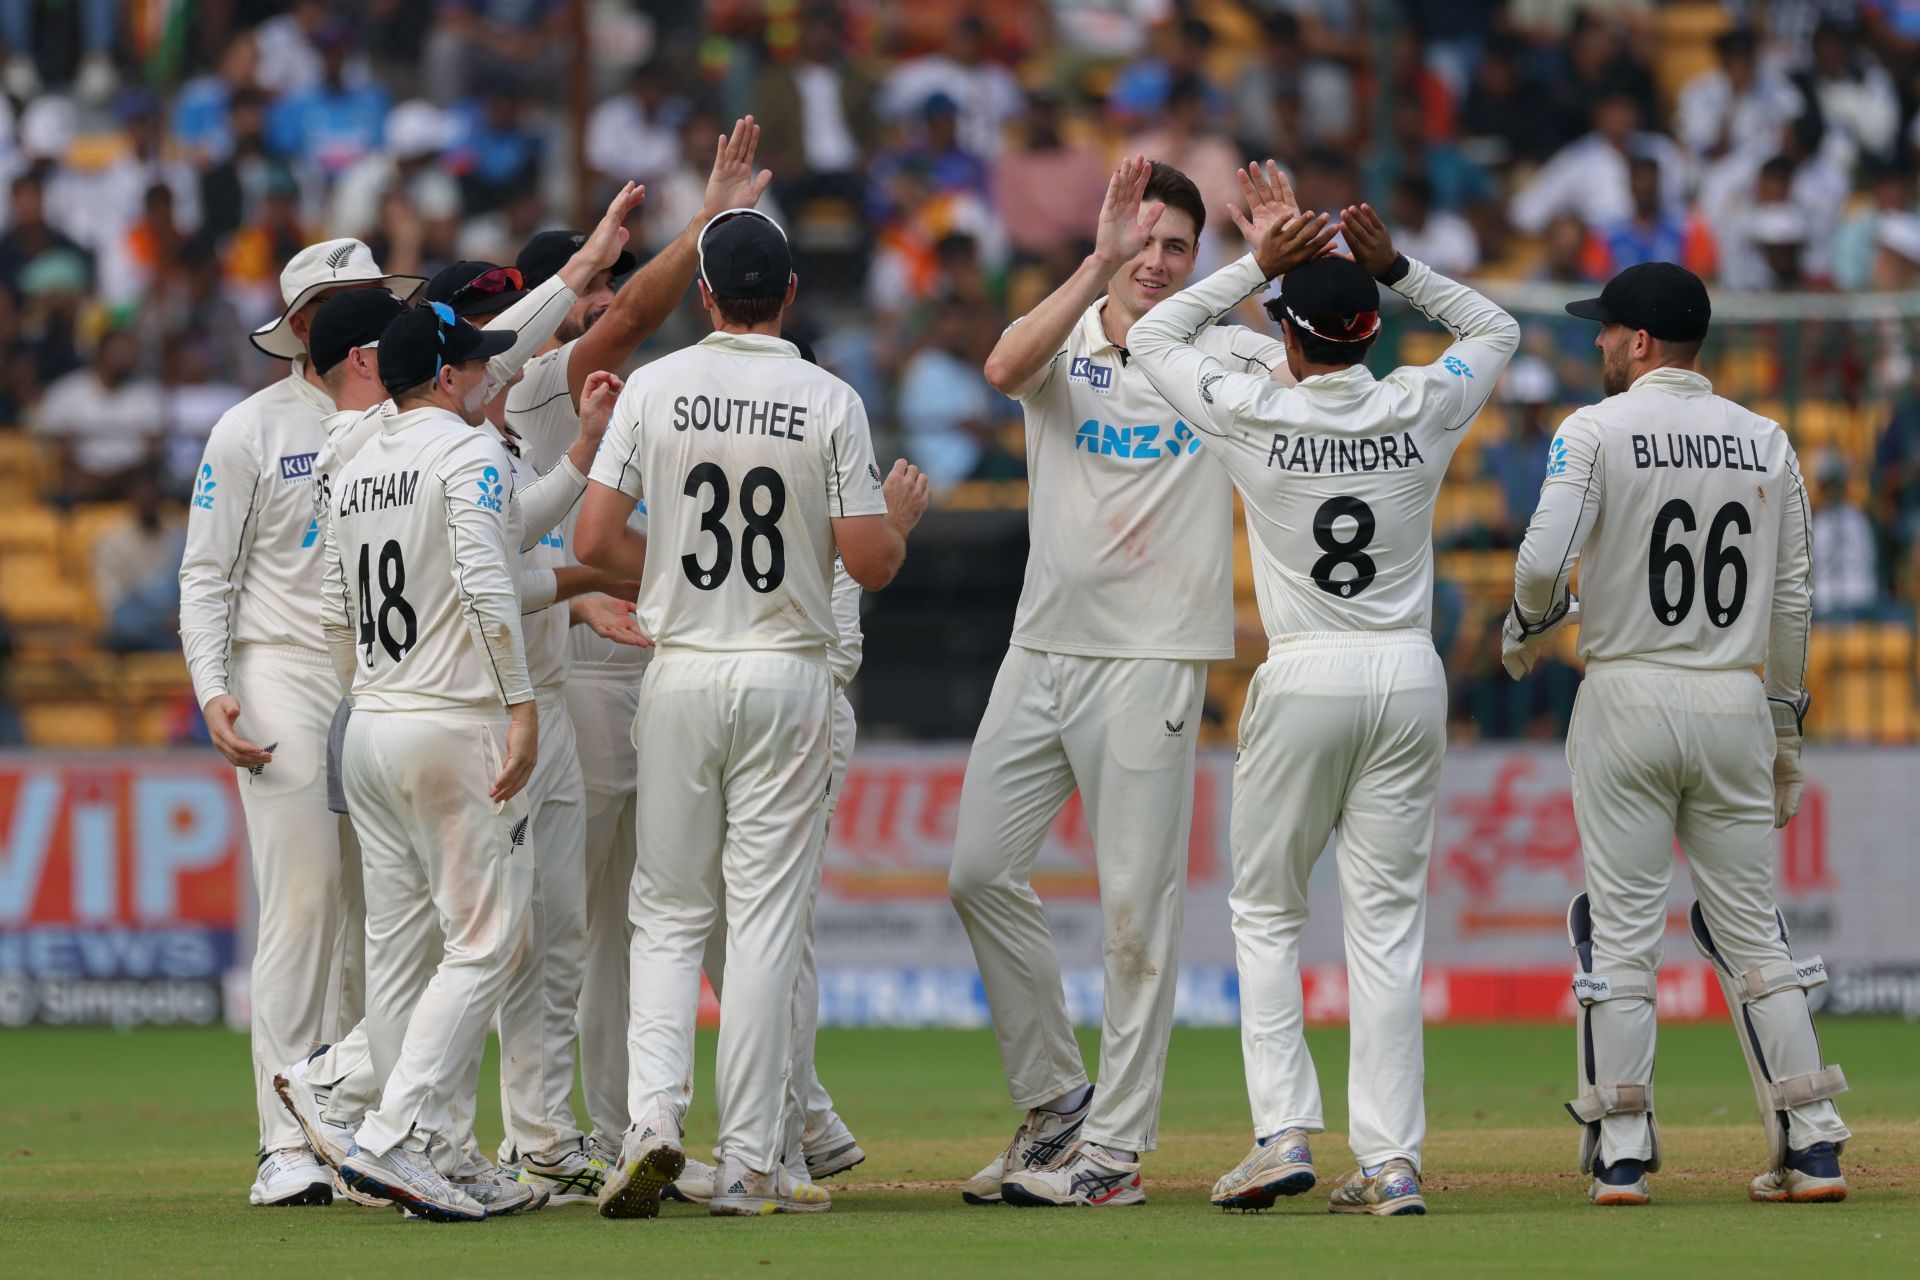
(1667, 378)
(1353, 380)
(752, 344)
(297, 375)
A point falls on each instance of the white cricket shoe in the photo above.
(741, 1192)
(572, 1179)
(1391, 1192)
(1042, 1138)
(1811, 1176)
(291, 1176)
(500, 1194)
(650, 1159)
(603, 1149)
(694, 1185)
(1087, 1176)
(830, 1149)
(1283, 1167)
(307, 1104)
(361, 1198)
(409, 1179)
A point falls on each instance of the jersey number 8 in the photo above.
(760, 527)
(1350, 552)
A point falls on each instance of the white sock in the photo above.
(1071, 1100)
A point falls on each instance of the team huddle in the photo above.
(534, 682)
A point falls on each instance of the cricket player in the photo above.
(250, 627)
(1688, 519)
(1345, 722)
(755, 466)
(1128, 596)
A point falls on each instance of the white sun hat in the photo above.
(316, 268)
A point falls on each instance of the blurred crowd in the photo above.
(939, 165)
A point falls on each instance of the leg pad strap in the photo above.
(1780, 975)
(1814, 1086)
(1600, 1100)
(1620, 984)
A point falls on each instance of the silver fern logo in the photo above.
(338, 258)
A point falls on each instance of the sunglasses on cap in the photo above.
(443, 320)
(1354, 328)
(488, 284)
(720, 219)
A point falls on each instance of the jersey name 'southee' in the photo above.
(742, 417)
(1333, 456)
(379, 493)
(1734, 453)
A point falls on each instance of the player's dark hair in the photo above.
(1316, 350)
(751, 311)
(1168, 186)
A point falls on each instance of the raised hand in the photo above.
(1269, 198)
(1124, 226)
(1294, 242)
(1367, 236)
(733, 184)
(602, 248)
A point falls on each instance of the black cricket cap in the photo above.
(542, 257)
(453, 286)
(744, 254)
(348, 320)
(1664, 298)
(415, 347)
(1332, 298)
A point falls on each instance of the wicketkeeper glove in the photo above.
(1521, 642)
(1789, 781)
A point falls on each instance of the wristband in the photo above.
(1396, 271)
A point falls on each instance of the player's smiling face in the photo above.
(588, 307)
(1161, 269)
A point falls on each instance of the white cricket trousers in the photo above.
(810, 1105)
(1660, 753)
(601, 702)
(1122, 730)
(1341, 732)
(449, 880)
(540, 1010)
(733, 763)
(305, 986)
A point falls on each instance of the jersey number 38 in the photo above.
(760, 539)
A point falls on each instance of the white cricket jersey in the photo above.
(1688, 518)
(1131, 534)
(421, 602)
(745, 454)
(251, 570)
(1338, 474)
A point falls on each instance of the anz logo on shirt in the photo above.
(1557, 457)
(203, 488)
(554, 540)
(1150, 441)
(490, 489)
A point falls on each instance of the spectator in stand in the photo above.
(472, 41)
(231, 192)
(1045, 188)
(418, 133)
(1739, 107)
(54, 289)
(1286, 84)
(28, 233)
(1875, 247)
(1589, 177)
(496, 145)
(1847, 91)
(1763, 240)
(256, 252)
(97, 78)
(1187, 140)
(97, 206)
(1654, 232)
(202, 126)
(329, 126)
(103, 422)
(1144, 89)
(1438, 237)
(947, 410)
(986, 95)
(906, 260)
(1501, 118)
(949, 166)
(290, 58)
(1896, 493)
(1596, 65)
(635, 134)
(196, 397)
(1846, 581)
(194, 302)
(1517, 464)
(136, 571)
(815, 114)
(1454, 182)
(150, 249)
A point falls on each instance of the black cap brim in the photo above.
(487, 304)
(492, 342)
(1590, 309)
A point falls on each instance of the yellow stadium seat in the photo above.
(35, 589)
(30, 528)
(66, 725)
(84, 527)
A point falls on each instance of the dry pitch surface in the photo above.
(127, 1154)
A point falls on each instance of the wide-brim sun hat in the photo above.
(330, 264)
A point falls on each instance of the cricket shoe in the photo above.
(291, 1176)
(1282, 1167)
(410, 1180)
(1624, 1182)
(361, 1198)
(747, 1194)
(307, 1104)
(603, 1149)
(1088, 1176)
(500, 1193)
(831, 1149)
(1808, 1177)
(694, 1185)
(572, 1179)
(650, 1159)
(1042, 1138)
(1392, 1192)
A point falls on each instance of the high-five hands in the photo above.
(733, 183)
(1367, 236)
(1293, 242)
(1269, 198)
(1124, 226)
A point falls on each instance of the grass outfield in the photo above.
(126, 1154)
